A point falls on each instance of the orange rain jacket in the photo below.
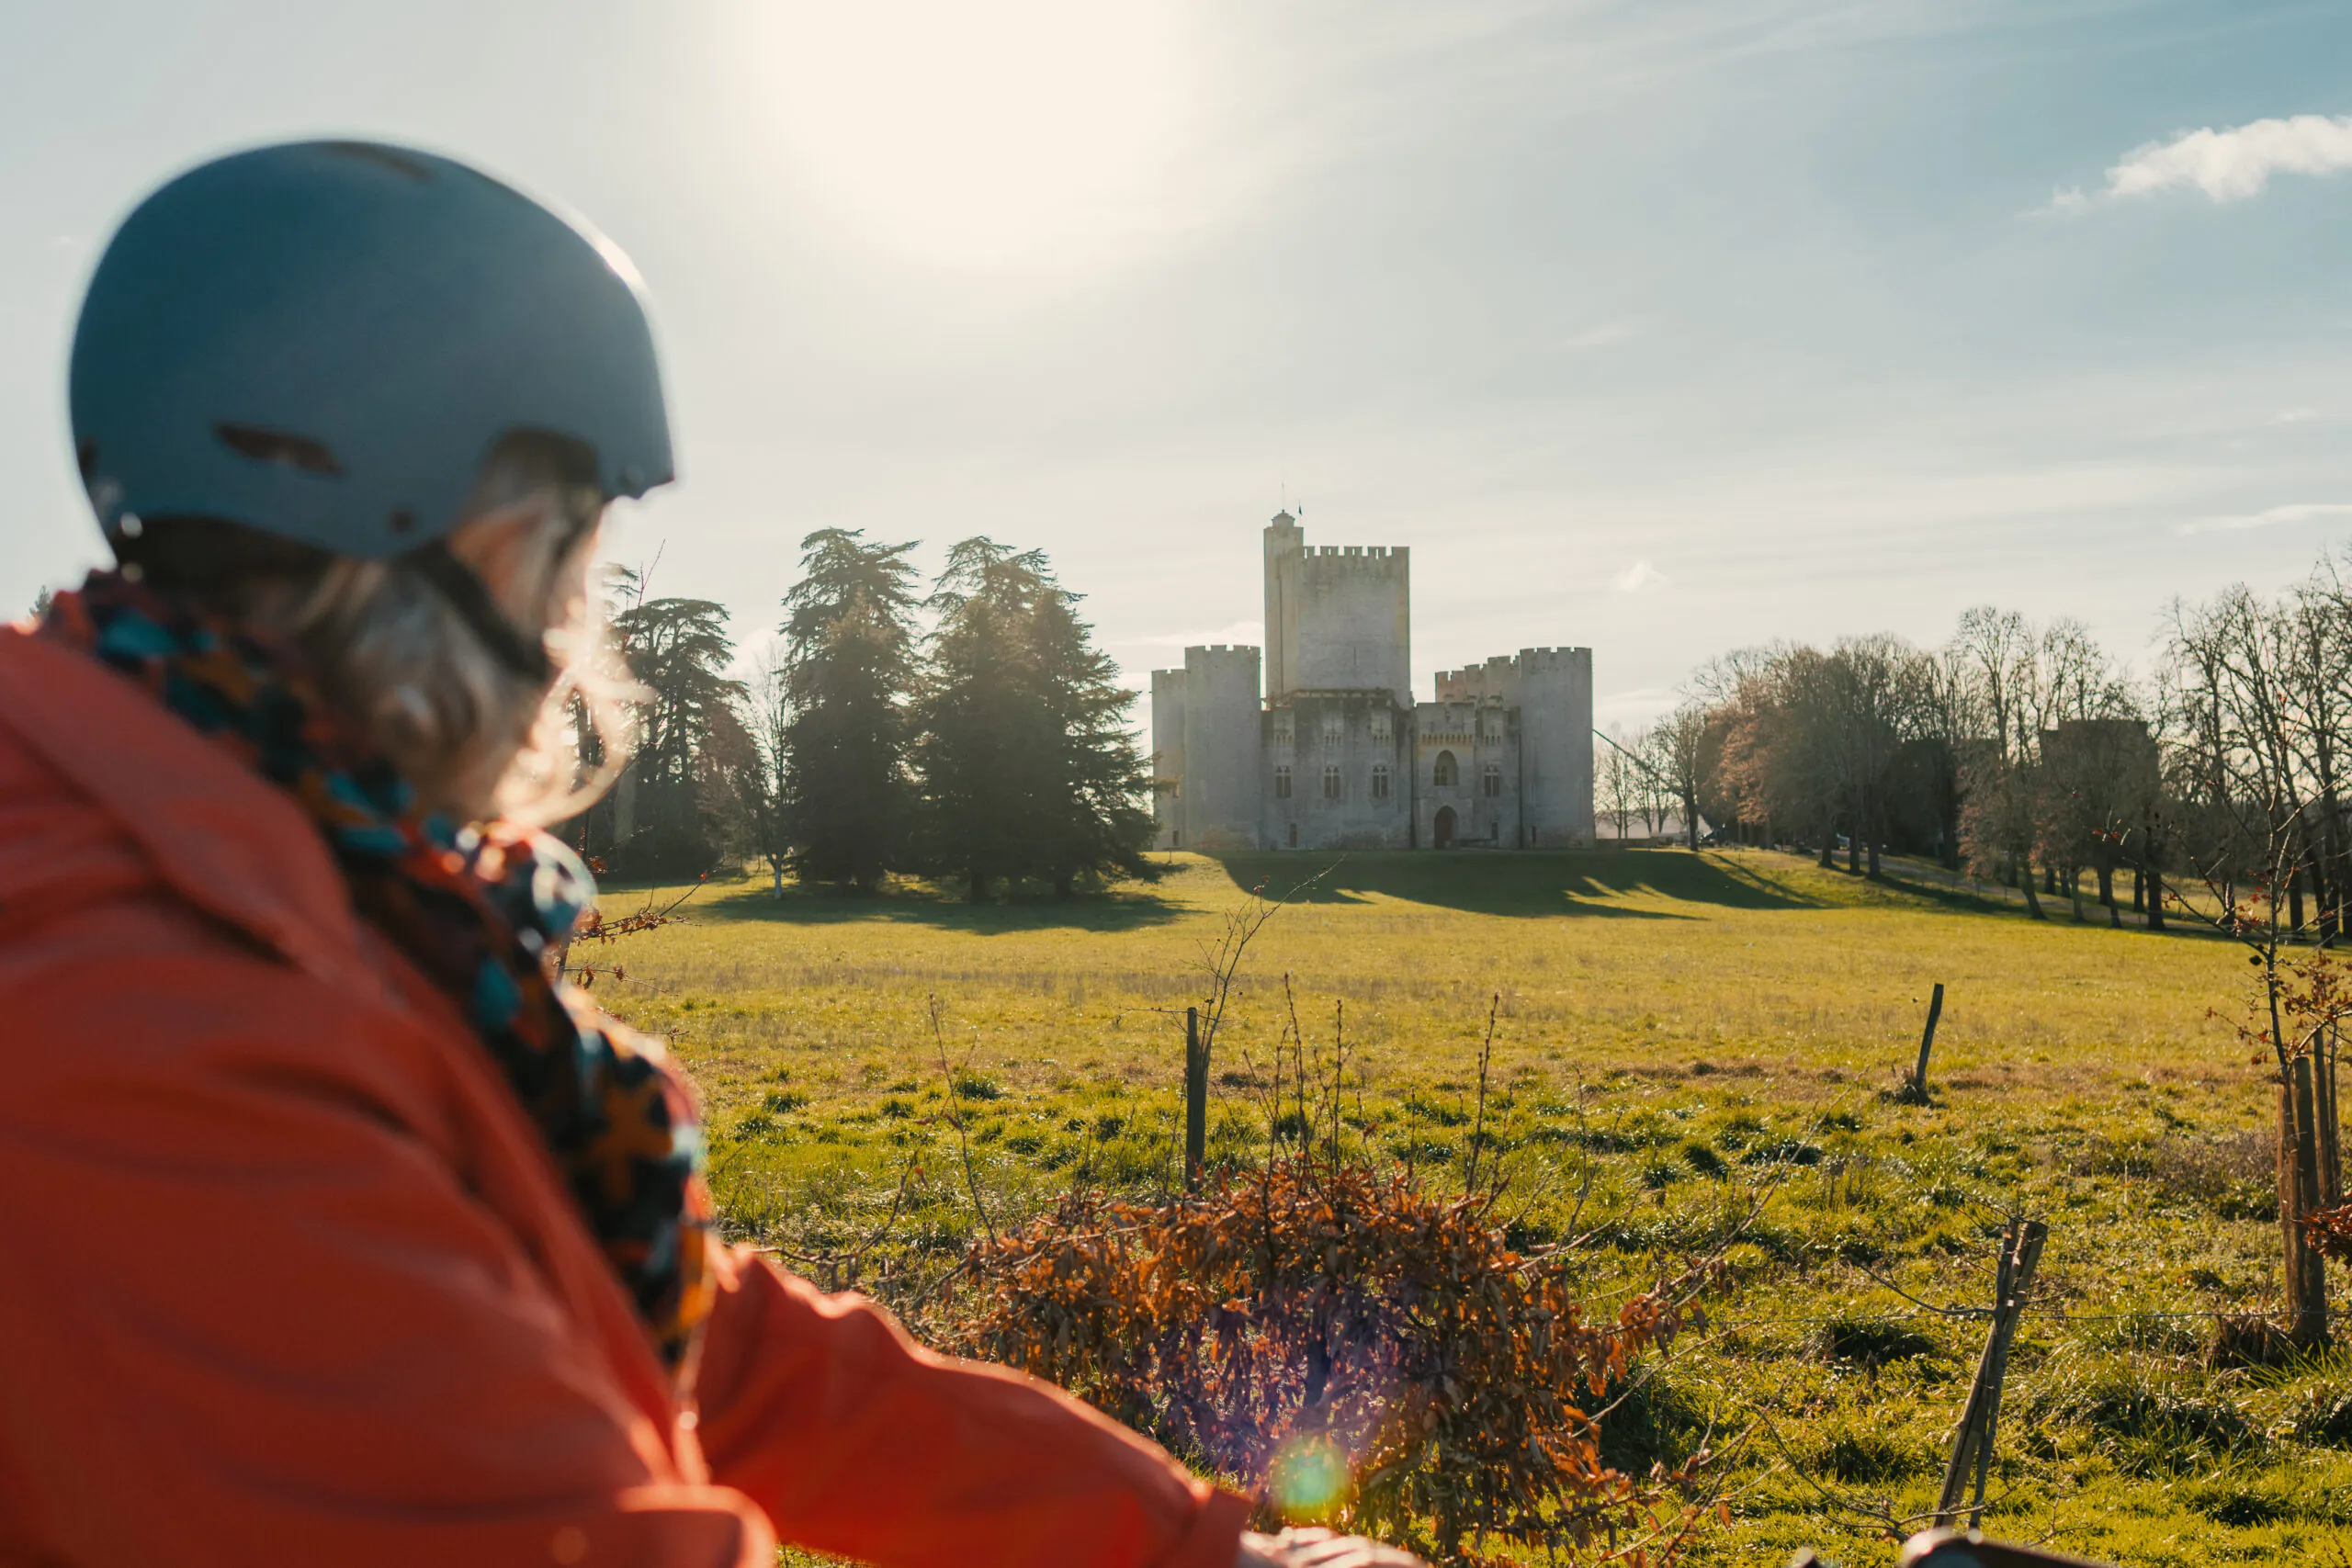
(286, 1277)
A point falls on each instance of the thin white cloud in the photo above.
(2293, 416)
(2227, 166)
(1246, 634)
(2298, 512)
(1600, 336)
(1638, 575)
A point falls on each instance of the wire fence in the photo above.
(1980, 1315)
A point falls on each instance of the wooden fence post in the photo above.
(1927, 1042)
(1196, 1099)
(2301, 1190)
(1971, 1446)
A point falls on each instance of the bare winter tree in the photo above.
(2318, 682)
(2000, 775)
(1657, 792)
(767, 720)
(1679, 746)
(2233, 682)
(1621, 784)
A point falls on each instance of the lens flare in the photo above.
(1308, 1479)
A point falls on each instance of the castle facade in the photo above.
(1337, 754)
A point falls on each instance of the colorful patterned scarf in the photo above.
(476, 910)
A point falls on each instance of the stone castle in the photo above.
(1336, 753)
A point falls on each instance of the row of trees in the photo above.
(2010, 746)
(973, 731)
(2027, 753)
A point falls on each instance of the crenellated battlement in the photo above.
(1221, 653)
(1376, 560)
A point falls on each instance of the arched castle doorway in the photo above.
(1443, 832)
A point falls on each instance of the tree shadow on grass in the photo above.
(1571, 882)
(907, 902)
(1945, 894)
(1930, 884)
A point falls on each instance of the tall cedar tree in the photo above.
(847, 665)
(1025, 768)
(1096, 824)
(980, 751)
(671, 800)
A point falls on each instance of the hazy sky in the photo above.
(1654, 326)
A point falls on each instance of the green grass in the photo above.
(1673, 1029)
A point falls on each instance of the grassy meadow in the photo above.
(1673, 1032)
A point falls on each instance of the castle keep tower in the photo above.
(1337, 620)
(1338, 755)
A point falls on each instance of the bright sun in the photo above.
(977, 131)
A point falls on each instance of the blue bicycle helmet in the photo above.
(324, 341)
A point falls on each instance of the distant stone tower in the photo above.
(1554, 700)
(1338, 755)
(1205, 738)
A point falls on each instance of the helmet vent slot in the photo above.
(280, 447)
(382, 157)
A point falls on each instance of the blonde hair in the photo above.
(474, 736)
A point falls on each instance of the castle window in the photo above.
(1334, 729)
(1282, 781)
(1331, 783)
(1442, 774)
(1380, 730)
(1294, 835)
(1493, 726)
(1490, 781)
(1380, 781)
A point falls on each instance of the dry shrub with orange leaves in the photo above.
(1351, 1348)
(2330, 1232)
